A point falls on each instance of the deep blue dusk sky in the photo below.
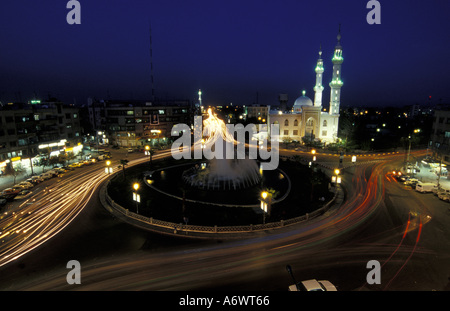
(231, 49)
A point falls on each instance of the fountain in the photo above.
(225, 174)
(221, 172)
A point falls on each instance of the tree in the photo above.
(53, 161)
(62, 158)
(70, 156)
(13, 171)
(41, 162)
(286, 141)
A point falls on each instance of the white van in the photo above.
(425, 187)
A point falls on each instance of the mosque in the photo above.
(306, 120)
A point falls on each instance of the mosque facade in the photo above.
(307, 120)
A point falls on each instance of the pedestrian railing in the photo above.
(211, 231)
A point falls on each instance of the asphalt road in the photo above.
(404, 230)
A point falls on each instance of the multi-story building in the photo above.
(258, 112)
(37, 128)
(137, 123)
(440, 135)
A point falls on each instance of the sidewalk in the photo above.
(117, 154)
(8, 180)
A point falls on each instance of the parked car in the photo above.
(26, 184)
(11, 191)
(442, 192)
(54, 172)
(130, 149)
(8, 197)
(445, 197)
(411, 181)
(18, 188)
(46, 176)
(23, 194)
(75, 165)
(402, 178)
(35, 179)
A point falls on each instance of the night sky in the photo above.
(235, 51)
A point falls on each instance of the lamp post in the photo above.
(336, 178)
(313, 152)
(148, 152)
(266, 200)
(108, 169)
(136, 196)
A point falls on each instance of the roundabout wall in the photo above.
(208, 232)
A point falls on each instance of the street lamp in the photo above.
(149, 153)
(336, 178)
(266, 199)
(136, 196)
(108, 169)
(313, 152)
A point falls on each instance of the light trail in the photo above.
(51, 211)
(189, 269)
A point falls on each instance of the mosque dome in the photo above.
(303, 101)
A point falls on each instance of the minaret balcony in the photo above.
(336, 83)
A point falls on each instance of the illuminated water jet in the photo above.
(221, 172)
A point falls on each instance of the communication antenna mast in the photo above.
(151, 63)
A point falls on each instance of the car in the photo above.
(23, 194)
(8, 197)
(130, 149)
(313, 285)
(54, 172)
(26, 184)
(46, 176)
(445, 197)
(68, 168)
(410, 180)
(402, 178)
(76, 164)
(442, 192)
(35, 179)
(11, 191)
(3, 201)
(18, 187)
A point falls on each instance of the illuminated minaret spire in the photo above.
(336, 82)
(318, 88)
(200, 97)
